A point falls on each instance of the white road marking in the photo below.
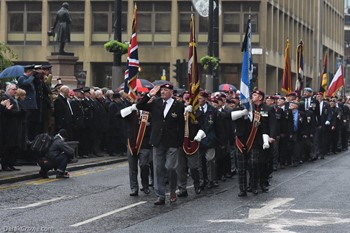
(108, 213)
(269, 208)
(39, 203)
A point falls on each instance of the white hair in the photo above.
(9, 86)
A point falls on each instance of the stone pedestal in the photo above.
(63, 67)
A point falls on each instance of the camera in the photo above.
(51, 33)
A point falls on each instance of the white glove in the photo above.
(133, 107)
(200, 135)
(327, 123)
(266, 144)
(238, 114)
(188, 108)
(128, 110)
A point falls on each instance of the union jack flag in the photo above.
(132, 63)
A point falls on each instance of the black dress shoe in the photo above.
(14, 169)
(249, 190)
(255, 191)
(215, 183)
(182, 194)
(210, 185)
(7, 169)
(242, 194)
(197, 190)
(134, 194)
(43, 173)
(264, 188)
(159, 202)
(146, 191)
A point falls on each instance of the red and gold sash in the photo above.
(141, 133)
(250, 140)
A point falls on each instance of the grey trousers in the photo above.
(142, 160)
(165, 160)
(187, 162)
(210, 162)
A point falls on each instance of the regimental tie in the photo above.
(164, 106)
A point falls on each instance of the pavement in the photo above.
(31, 171)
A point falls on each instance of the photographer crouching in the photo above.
(58, 156)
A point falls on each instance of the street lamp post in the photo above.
(117, 74)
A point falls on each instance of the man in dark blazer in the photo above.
(166, 137)
(63, 112)
(324, 119)
(208, 121)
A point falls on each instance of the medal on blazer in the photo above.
(210, 121)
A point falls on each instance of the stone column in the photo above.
(63, 67)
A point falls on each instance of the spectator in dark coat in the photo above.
(5, 105)
(62, 111)
(14, 140)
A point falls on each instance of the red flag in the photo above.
(193, 81)
(337, 82)
(132, 63)
(287, 76)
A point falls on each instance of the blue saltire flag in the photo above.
(247, 68)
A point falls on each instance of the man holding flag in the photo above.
(252, 125)
(189, 155)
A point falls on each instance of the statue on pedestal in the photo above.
(63, 20)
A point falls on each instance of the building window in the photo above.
(76, 11)
(201, 23)
(24, 17)
(235, 17)
(154, 17)
(231, 22)
(103, 17)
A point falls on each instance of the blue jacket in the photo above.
(26, 83)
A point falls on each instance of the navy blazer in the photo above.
(168, 131)
(26, 83)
